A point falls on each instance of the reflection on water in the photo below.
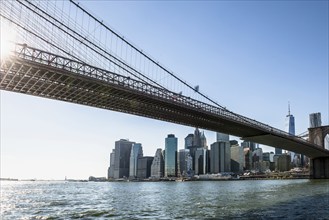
(262, 199)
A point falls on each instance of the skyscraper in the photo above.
(122, 158)
(248, 144)
(197, 138)
(184, 163)
(135, 153)
(200, 161)
(170, 169)
(144, 167)
(290, 128)
(237, 159)
(111, 168)
(189, 141)
(157, 164)
(290, 122)
(220, 157)
(222, 137)
(203, 140)
(278, 151)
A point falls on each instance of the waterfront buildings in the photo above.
(278, 151)
(220, 154)
(189, 141)
(247, 158)
(144, 167)
(248, 144)
(203, 141)
(135, 154)
(257, 156)
(283, 162)
(197, 138)
(170, 169)
(221, 137)
(200, 162)
(237, 159)
(224, 156)
(184, 163)
(122, 158)
(220, 157)
(268, 156)
(110, 173)
(157, 167)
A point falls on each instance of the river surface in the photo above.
(249, 199)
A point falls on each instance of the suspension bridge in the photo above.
(63, 52)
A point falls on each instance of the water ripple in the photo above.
(290, 199)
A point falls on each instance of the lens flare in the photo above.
(7, 38)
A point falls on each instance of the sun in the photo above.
(7, 38)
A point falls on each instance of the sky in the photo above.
(253, 57)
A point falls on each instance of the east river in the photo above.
(248, 199)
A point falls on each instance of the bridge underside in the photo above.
(33, 78)
(272, 140)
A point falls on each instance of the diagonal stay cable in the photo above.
(157, 64)
(84, 39)
(41, 38)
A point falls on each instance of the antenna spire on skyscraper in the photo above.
(288, 108)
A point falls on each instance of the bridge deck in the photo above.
(35, 72)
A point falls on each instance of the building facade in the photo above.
(135, 153)
(189, 141)
(203, 140)
(237, 159)
(221, 137)
(157, 167)
(251, 145)
(283, 162)
(247, 158)
(144, 167)
(170, 169)
(200, 162)
(184, 163)
(110, 174)
(220, 157)
(122, 158)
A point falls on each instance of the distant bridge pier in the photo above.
(319, 167)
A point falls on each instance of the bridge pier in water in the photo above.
(319, 167)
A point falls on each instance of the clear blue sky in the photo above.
(250, 56)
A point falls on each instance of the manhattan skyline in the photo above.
(252, 57)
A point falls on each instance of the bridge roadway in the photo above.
(40, 73)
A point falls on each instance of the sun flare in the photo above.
(7, 38)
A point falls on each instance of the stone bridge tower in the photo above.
(319, 168)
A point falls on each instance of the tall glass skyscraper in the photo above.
(170, 169)
(122, 158)
(290, 128)
(135, 153)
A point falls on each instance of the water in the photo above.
(254, 199)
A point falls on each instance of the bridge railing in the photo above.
(42, 57)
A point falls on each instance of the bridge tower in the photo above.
(319, 167)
